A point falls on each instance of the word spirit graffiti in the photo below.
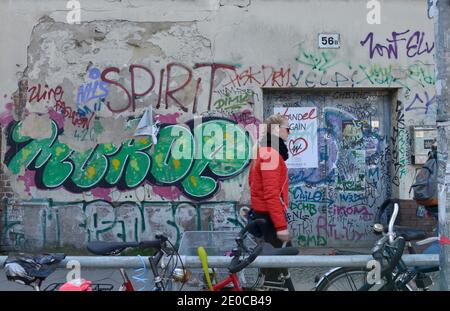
(130, 164)
(166, 75)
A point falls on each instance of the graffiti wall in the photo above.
(73, 96)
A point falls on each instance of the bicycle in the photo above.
(32, 270)
(163, 259)
(240, 261)
(395, 275)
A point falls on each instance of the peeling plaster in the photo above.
(37, 126)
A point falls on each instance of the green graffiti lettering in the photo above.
(39, 150)
(91, 165)
(196, 185)
(230, 152)
(170, 166)
(225, 157)
(57, 169)
(221, 149)
(47, 151)
(133, 159)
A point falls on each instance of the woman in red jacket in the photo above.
(269, 185)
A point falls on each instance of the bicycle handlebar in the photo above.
(379, 253)
(237, 265)
(391, 232)
(150, 244)
(427, 241)
(158, 243)
(377, 221)
(251, 226)
(382, 208)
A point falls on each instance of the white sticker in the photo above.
(375, 124)
(329, 41)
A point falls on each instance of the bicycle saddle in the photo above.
(26, 269)
(269, 250)
(48, 259)
(410, 234)
(109, 248)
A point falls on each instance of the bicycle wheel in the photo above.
(344, 279)
(354, 279)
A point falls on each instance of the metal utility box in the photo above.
(422, 138)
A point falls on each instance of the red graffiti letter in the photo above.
(104, 78)
(134, 95)
(169, 93)
(214, 67)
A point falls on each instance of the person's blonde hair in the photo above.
(269, 124)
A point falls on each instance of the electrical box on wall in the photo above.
(422, 138)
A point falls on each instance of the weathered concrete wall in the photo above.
(58, 224)
(72, 94)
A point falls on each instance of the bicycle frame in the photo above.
(231, 279)
(126, 286)
(154, 261)
(161, 245)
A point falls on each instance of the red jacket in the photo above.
(269, 184)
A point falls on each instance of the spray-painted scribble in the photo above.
(415, 45)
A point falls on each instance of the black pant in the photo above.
(269, 234)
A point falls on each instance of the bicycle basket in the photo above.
(216, 243)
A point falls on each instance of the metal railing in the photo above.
(106, 262)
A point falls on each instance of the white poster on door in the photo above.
(302, 140)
